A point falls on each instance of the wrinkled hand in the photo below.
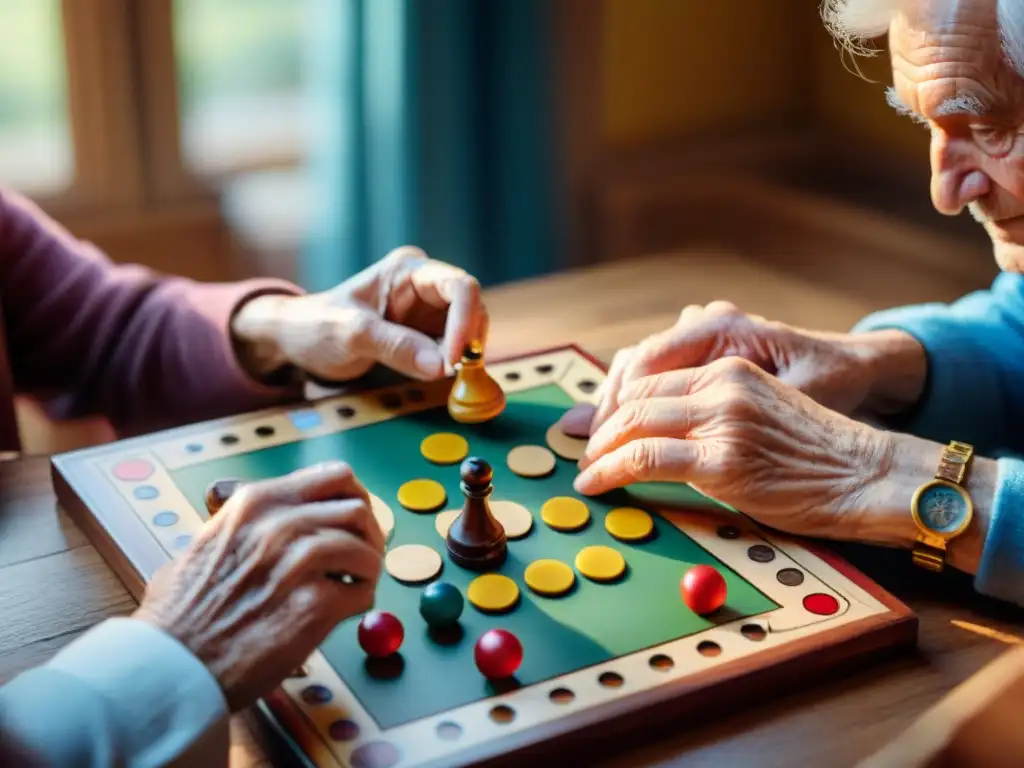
(391, 313)
(251, 597)
(836, 370)
(743, 437)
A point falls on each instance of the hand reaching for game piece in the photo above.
(744, 437)
(390, 313)
(841, 371)
(251, 597)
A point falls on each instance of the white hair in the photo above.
(856, 22)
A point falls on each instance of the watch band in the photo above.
(930, 551)
(953, 464)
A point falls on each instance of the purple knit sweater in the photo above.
(88, 337)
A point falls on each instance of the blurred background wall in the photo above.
(304, 138)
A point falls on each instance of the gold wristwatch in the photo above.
(942, 507)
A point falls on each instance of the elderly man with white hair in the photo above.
(777, 421)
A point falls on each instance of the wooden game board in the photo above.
(605, 659)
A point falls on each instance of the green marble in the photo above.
(592, 624)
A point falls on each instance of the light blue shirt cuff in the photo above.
(1001, 572)
(168, 708)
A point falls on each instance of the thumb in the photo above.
(400, 348)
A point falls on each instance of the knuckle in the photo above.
(645, 387)
(406, 254)
(360, 329)
(722, 307)
(632, 416)
(738, 369)
(737, 404)
(249, 501)
(689, 311)
(641, 461)
(341, 470)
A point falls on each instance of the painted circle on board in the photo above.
(316, 694)
(165, 519)
(182, 541)
(146, 492)
(375, 754)
(344, 730)
(133, 470)
(193, 447)
(761, 553)
(790, 577)
(821, 604)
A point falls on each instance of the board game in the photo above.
(582, 629)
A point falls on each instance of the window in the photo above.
(239, 70)
(36, 154)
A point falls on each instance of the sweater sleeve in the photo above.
(90, 337)
(974, 390)
(124, 693)
(975, 393)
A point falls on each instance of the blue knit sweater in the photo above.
(975, 393)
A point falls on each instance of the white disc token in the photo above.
(514, 518)
(384, 516)
(531, 461)
(443, 521)
(569, 448)
(413, 563)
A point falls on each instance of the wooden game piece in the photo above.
(218, 492)
(383, 515)
(550, 578)
(498, 654)
(567, 447)
(475, 397)
(514, 518)
(422, 495)
(413, 563)
(600, 563)
(531, 461)
(476, 539)
(444, 448)
(703, 589)
(629, 524)
(564, 513)
(441, 604)
(577, 420)
(380, 634)
(492, 593)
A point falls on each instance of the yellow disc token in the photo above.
(564, 513)
(422, 495)
(549, 577)
(599, 563)
(493, 592)
(629, 524)
(444, 448)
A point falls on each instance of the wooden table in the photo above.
(53, 584)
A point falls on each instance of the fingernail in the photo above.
(429, 362)
(581, 483)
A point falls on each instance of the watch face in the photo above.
(942, 508)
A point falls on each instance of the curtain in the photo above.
(432, 125)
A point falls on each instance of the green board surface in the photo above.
(592, 624)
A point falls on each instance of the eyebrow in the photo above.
(961, 104)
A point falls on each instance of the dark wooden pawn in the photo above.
(476, 540)
(218, 492)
